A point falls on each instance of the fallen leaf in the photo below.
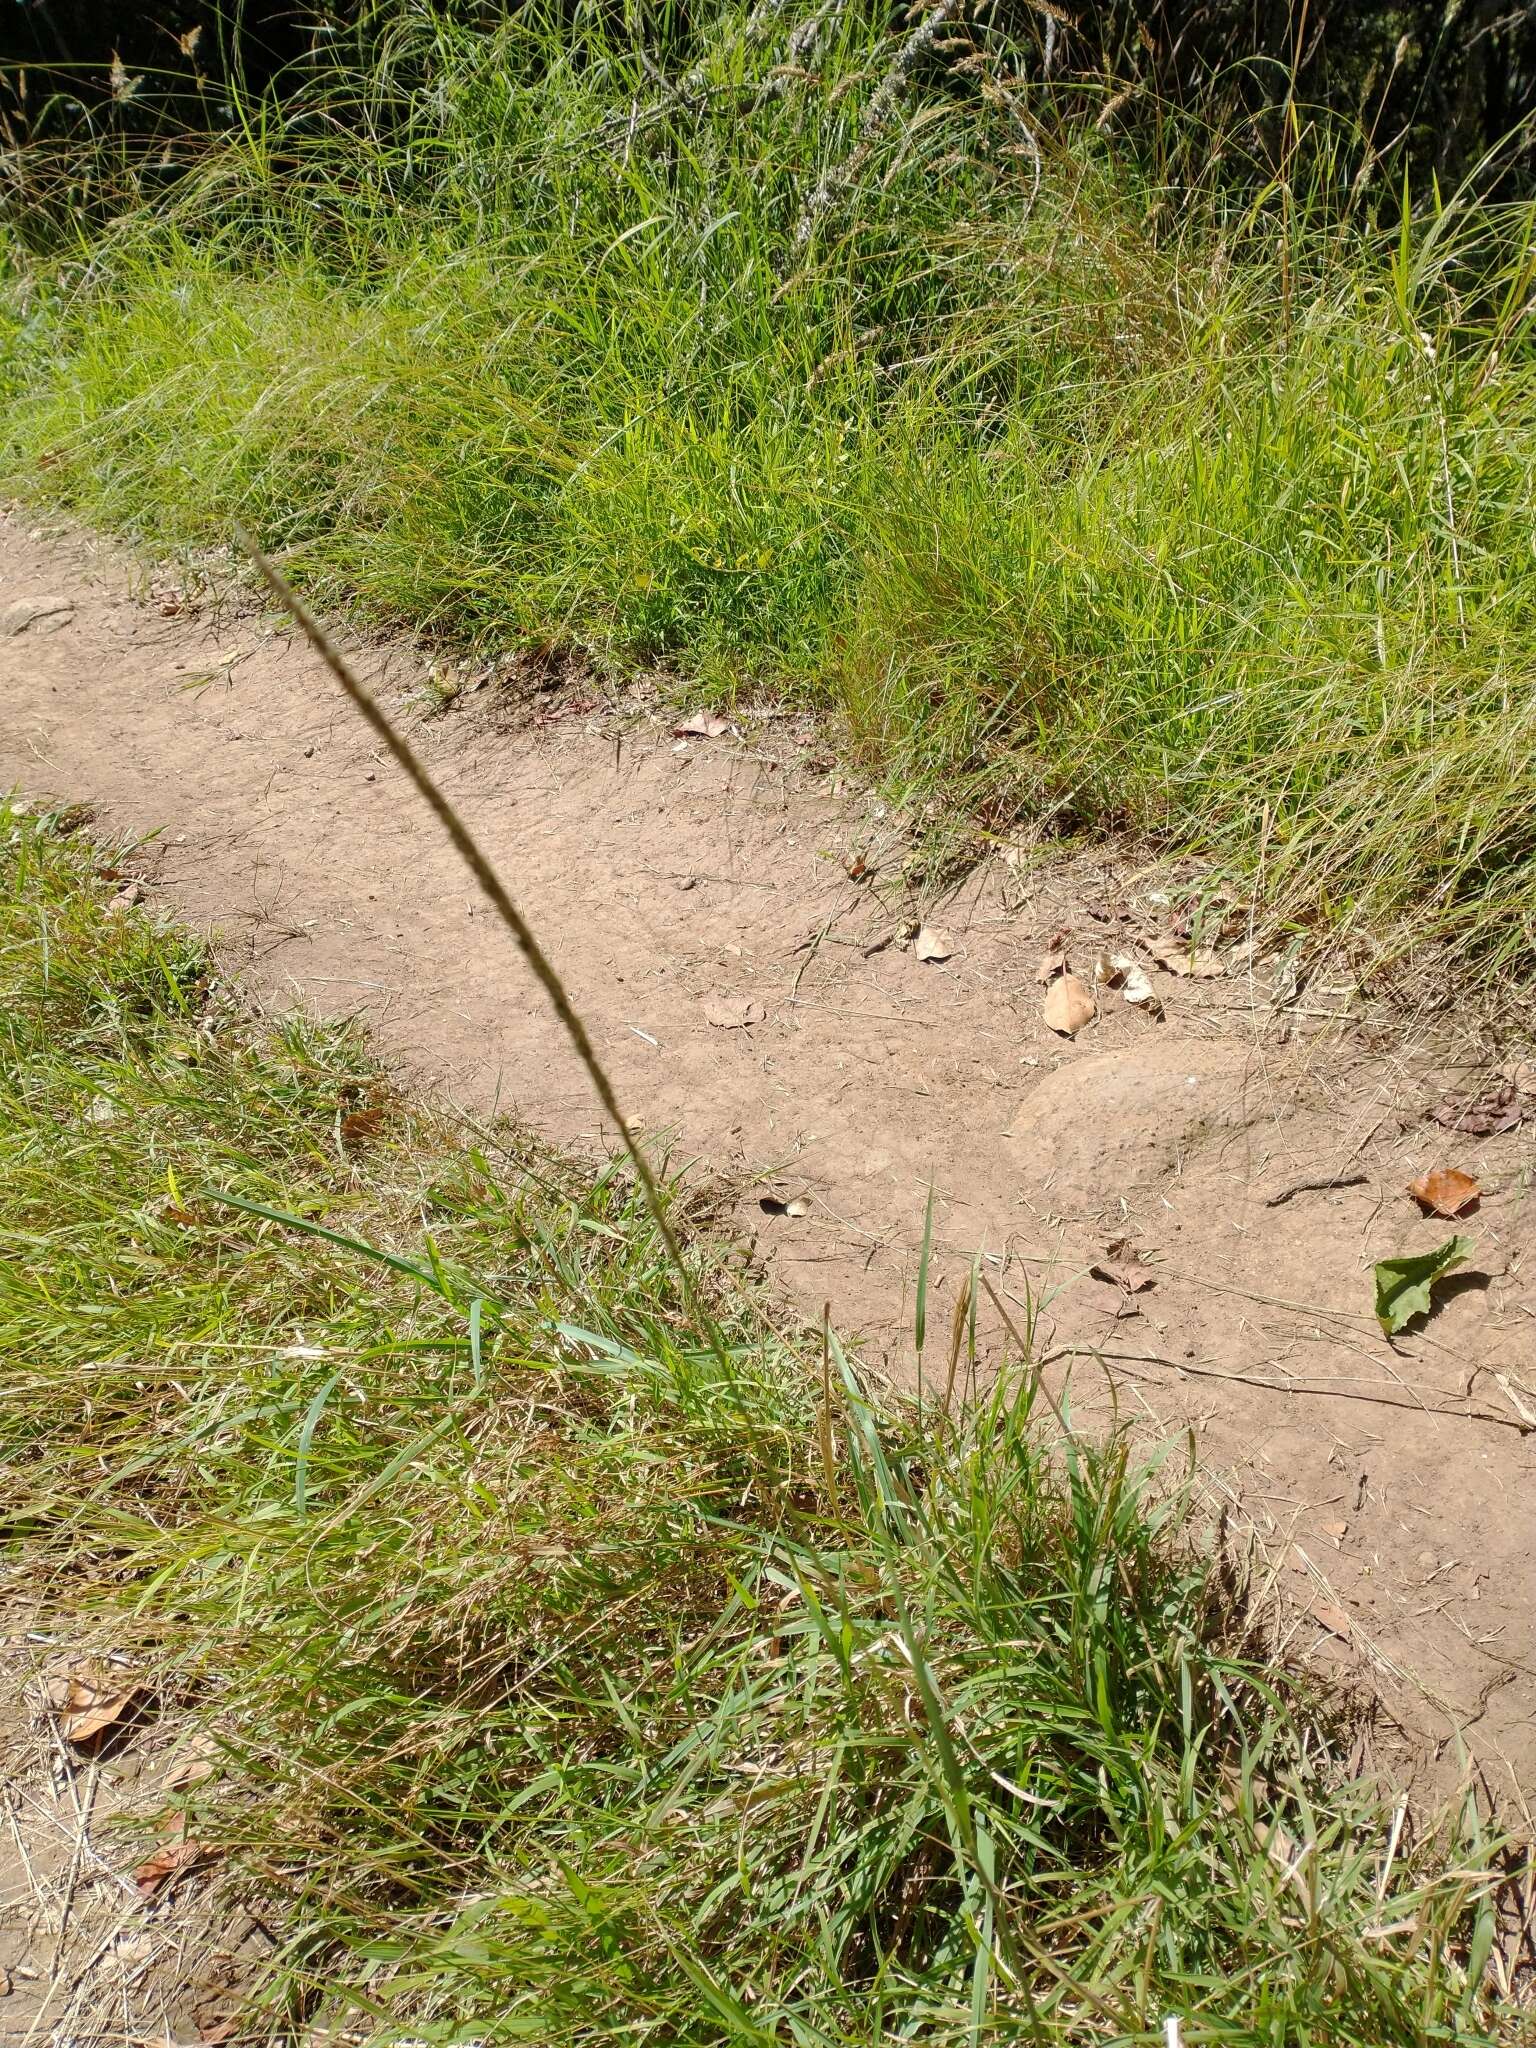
(1197, 963)
(168, 1861)
(1332, 1618)
(1445, 1191)
(1337, 1530)
(218, 2031)
(197, 1762)
(1403, 1284)
(1068, 1005)
(1053, 960)
(361, 1124)
(126, 897)
(703, 725)
(1122, 1265)
(733, 1013)
(86, 1710)
(784, 1205)
(1484, 1113)
(932, 943)
(1127, 974)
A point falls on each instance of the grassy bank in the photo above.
(583, 1676)
(831, 360)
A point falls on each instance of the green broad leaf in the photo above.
(1403, 1285)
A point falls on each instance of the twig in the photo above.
(1249, 1379)
(494, 889)
(1307, 1187)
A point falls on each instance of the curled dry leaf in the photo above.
(702, 725)
(1053, 960)
(933, 943)
(1068, 1005)
(86, 1709)
(1179, 956)
(170, 1860)
(733, 1013)
(1332, 1617)
(1121, 1266)
(1134, 983)
(776, 1204)
(197, 1762)
(1445, 1191)
(1482, 1113)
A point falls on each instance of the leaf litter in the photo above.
(1183, 957)
(733, 1013)
(1445, 1191)
(1068, 1006)
(702, 725)
(933, 943)
(1482, 1113)
(1123, 1267)
(85, 1709)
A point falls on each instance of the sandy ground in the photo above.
(733, 928)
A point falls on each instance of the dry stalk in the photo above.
(495, 891)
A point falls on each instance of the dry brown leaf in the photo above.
(702, 725)
(933, 943)
(1333, 1618)
(1053, 960)
(1445, 1191)
(1068, 1005)
(733, 1013)
(197, 1762)
(362, 1124)
(1121, 1266)
(784, 1205)
(87, 1710)
(168, 1861)
(1483, 1113)
(1337, 1530)
(1196, 963)
(218, 2031)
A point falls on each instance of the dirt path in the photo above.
(757, 1002)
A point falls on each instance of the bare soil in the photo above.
(734, 926)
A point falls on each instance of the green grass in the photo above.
(1201, 512)
(584, 1676)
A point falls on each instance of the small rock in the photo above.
(47, 613)
(309, 753)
